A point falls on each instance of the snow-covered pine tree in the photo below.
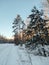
(38, 24)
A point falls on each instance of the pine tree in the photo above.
(38, 24)
(18, 26)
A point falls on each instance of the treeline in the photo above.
(5, 40)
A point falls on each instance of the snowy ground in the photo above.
(16, 55)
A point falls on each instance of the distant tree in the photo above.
(3, 39)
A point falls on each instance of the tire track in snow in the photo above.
(8, 55)
(4, 55)
(25, 59)
(12, 57)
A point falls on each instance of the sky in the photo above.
(9, 10)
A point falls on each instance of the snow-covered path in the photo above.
(15, 55)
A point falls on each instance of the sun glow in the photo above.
(12, 37)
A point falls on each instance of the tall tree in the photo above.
(38, 24)
(18, 26)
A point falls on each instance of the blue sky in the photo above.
(10, 8)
